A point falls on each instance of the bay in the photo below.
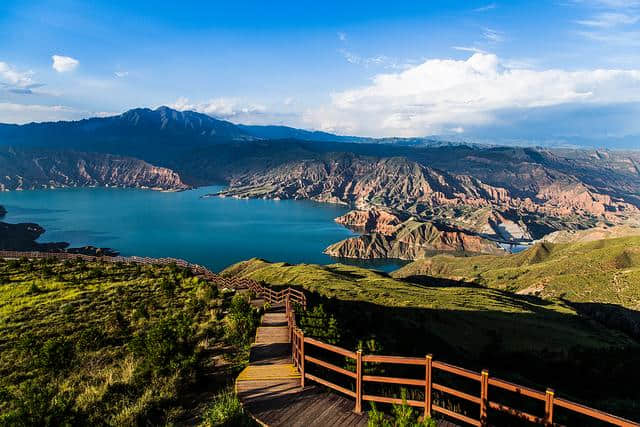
(214, 232)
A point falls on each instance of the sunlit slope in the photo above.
(465, 317)
(601, 271)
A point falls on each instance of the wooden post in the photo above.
(427, 387)
(484, 400)
(548, 407)
(358, 409)
(302, 359)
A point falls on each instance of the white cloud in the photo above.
(25, 113)
(439, 95)
(63, 64)
(485, 8)
(12, 77)
(468, 49)
(121, 74)
(342, 36)
(226, 108)
(609, 20)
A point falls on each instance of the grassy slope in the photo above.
(602, 271)
(531, 341)
(468, 318)
(86, 316)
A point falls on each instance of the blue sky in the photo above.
(512, 70)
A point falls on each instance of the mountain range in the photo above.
(503, 194)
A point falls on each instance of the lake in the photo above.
(214, 232)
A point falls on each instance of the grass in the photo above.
(468, 318)
(110, 344)
(601, 271)
(525, 339)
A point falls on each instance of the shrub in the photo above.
(90, 338)
(319, 324)
(37, 402)
(377, 418)
(242, 320)
(166, 346)
(56, 354)
(226, 411)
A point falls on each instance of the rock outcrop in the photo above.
(412, 240)
(22, 237)
(371, 221)
(27, 170)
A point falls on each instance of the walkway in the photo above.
(269, 387)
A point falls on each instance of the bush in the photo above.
(242, 320)
(56, 354)
(402, 416)
(166, 346)
(319, 324)
(38, 403)
(90, 338)
(227, 411)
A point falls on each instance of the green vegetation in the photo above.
(403, 415)
(468, 318)
(226, 411)
(601, 271)
(522, 338)
(114, 344)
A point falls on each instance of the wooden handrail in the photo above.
(299, 358)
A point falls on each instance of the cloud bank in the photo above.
(446, 96)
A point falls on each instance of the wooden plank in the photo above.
(330, 347)
(393, 380)
(330, 385)
(392, 400)
(457, 393)
(525, 391)
(456, 370)
(330, 366)
(394, 359)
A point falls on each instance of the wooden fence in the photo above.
(485, 382)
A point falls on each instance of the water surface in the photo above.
(213, 232)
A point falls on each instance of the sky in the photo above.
(515, 70)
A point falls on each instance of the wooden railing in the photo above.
(300, 359)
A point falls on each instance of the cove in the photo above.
(213, 232)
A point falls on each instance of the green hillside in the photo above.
(601, 271)
(114, 344)
(529, 340)
(468, 317)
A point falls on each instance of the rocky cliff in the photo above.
(412, 240)
(461, 201)
(28, 169)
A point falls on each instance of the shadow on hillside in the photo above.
(612, 316)
(348, 274)
(431, 282)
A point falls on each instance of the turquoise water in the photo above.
(213, 232)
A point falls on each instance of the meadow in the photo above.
(91, 343)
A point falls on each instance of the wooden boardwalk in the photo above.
(269, 387)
